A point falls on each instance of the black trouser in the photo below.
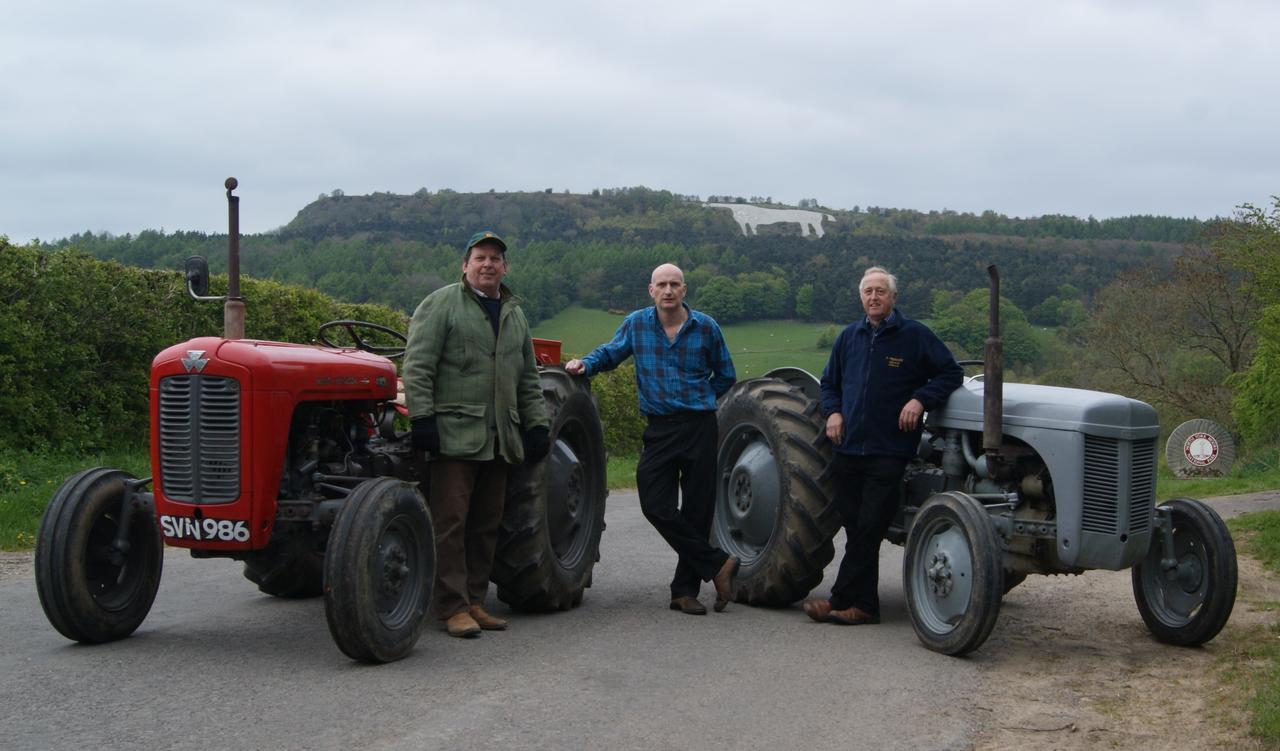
(868, 490)
(680, 453)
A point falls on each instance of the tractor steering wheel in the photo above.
(361, 334)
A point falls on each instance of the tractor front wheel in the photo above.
(1187, 599)
(92, 588)
(952, 574)
(379, 571)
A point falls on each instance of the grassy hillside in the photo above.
(757, 346)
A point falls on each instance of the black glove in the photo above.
(426, 436)
(537, 442)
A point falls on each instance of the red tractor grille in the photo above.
(200, 438)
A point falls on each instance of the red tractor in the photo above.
(287, 457)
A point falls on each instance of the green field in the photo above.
(756, 347)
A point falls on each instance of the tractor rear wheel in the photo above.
(291, 567)
(773, 495)
(91, 590)
(1188, 605)
(549, 540)
(379, 571)
(952, 574)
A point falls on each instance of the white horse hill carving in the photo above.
(749, 217)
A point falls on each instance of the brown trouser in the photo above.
(466, 508)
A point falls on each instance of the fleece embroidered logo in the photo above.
(893, 362)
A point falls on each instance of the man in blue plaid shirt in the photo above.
(682, 365)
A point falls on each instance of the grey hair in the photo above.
(893, 280)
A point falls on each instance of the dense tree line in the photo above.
(535, 216)
(597, 250)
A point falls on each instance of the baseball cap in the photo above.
(486, 236)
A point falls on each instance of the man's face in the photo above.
(667, 288)
(484, 268)
(877, 299)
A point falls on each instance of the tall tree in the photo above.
(1253, 242)
(1177, 340)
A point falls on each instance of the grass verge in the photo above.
(1255, 471)
(622, 471)
(28, 482)
(1253, 665)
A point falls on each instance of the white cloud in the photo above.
(128, 116)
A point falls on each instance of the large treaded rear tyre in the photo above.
(549, 540)
(379, 571)
(90, 592)
(291, 567)
(774, 494)
(1188, 605)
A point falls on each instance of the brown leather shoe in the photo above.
(688, 605)
(852, 616)
(817, 609)
(462, 625)
(724, 582)
(485, 620)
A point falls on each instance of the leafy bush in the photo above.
(77, 336)
(619, 410)
(828, 337)
(1257, 390)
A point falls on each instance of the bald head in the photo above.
(667, 271)
(667, 288)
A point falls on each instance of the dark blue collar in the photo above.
(891, 322)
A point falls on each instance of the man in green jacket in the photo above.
(471, 384)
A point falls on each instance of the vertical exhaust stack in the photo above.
(993, 383)
(233, 309)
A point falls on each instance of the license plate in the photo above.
(189, 528)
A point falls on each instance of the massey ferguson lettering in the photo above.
(346, 380)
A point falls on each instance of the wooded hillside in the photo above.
(598, 250)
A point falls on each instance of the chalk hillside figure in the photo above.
(749, 217)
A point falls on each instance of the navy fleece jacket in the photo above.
(873, 373)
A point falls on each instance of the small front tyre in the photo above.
(91, 589)
(952, 574)
(1188, 601)
(379, 571)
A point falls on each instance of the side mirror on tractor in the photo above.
(196, 271)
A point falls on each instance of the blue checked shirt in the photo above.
(671, 376)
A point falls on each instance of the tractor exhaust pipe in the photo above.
(993, 383)
(233, 309)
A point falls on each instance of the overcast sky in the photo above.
(126, 116)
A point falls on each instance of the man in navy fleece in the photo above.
(884, 372)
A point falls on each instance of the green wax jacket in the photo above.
(483, 391)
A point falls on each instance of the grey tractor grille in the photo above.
(200, 438)
(1119, 483)
(1143, 493)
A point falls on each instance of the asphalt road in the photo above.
(218, 665)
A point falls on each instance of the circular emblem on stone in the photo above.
(1199, 448)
